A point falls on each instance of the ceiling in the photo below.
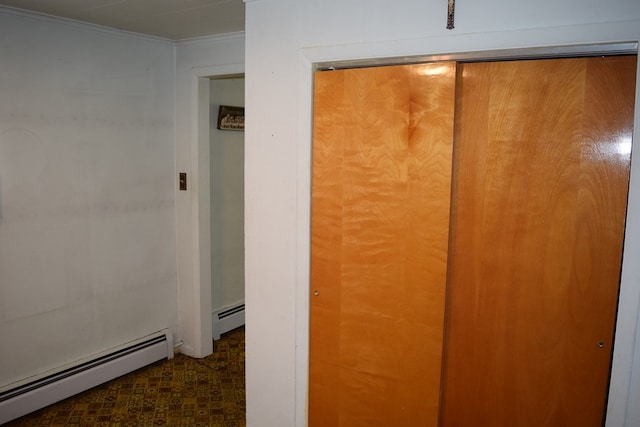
(169, 19)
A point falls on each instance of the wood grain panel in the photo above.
(380, 217)
(541, 170)
(326, 244)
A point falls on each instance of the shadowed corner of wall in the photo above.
(0, 199)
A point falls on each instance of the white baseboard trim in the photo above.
(227, 319)
(37, 394)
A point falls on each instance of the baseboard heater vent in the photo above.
(46, 390)
(227, 319)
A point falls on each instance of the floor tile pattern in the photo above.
(178, 392)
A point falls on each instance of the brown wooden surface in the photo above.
(541, 169)
(380, 217)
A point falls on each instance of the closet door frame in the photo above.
(628, 317)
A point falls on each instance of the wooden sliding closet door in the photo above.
(541, 168)
(380, 218)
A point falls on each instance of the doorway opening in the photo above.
(226, 170)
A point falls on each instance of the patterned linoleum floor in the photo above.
(178, 392)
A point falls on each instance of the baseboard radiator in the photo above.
(227, 319)
(48, 389)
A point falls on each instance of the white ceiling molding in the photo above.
(166, 19)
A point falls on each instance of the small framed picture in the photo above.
(230, 118)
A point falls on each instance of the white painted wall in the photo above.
(196, 61)
(283, 39)
(87, 215)
(227, 198)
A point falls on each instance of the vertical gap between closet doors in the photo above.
(452, 211)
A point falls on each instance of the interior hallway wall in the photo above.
(87, 212)
(283, 39)
(227, 198)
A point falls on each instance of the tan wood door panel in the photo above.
(382, 156)
(541, 173)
